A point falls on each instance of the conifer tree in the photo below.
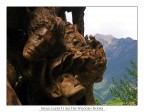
(126, 89)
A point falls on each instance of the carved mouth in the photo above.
(79, 94)
(77, 84)
(31, 50)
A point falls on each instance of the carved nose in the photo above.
(76, 82)
(76, 77)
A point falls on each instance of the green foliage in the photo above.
(115, 101)
(126, 90)
(98, 102)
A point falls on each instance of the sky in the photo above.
(120, 22)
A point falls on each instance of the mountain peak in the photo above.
(110, 42)
(105, 38)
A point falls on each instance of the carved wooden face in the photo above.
(70, 86)
(73, 39)
(38, 44)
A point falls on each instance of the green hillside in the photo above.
(119, 53)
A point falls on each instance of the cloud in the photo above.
(120, 22)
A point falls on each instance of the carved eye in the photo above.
(39, 33)
(37, 37)
(76, 42)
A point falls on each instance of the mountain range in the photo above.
(119, 53)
